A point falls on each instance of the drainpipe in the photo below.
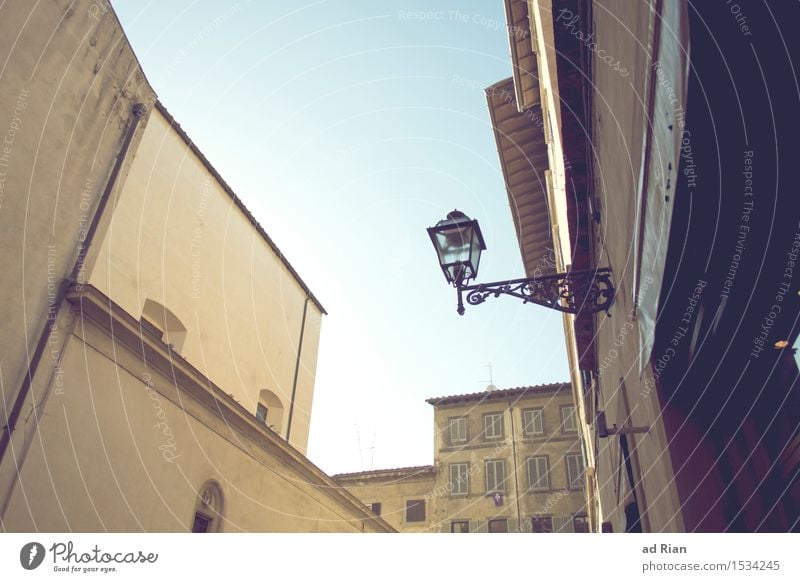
(22, 395)
(296, 370)
(514, 457)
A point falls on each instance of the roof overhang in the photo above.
(522, 150)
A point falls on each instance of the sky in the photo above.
(348, 128)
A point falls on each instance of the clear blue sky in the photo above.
(348, 128)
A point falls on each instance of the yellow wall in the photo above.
(559, 501)
(177, 238)
(393, 489)
(123, 446)
(67, 89)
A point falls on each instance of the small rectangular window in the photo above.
(568, 419)
(538, 474)
(495, 475)
(415, 510)
(575, 471)
(533, 422)
(459, 526)
(261, 413)
(459, 479)
(201, 523)
(458, 430)
(542, 524)
(375, 508)
(580, 524)
(493, 425)
(498, 525)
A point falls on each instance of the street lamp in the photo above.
(459, 243)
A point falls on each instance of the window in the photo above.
(498, 525)
(542, 524)
(261, 413)
(538, 474)
(495, 475)
(415, 510)
(575, 471)
(208, 509)
(375, 508)
(493, 425)
(580, 524)
(201, 523)
(459, 526)
(568, 419)
(533, 422)
(459, 479)
(458, 430)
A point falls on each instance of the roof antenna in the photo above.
(491, 387)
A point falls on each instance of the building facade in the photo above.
(624, 148)
(505, 461)
(159, 359)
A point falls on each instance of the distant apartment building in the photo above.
(505, 461)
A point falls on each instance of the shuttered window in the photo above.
(498, 525)
(568, 419)
(575, 471)
(458, 430)
(493, 425)
(415, 510)
(533, 422)
(538, 474)
(542, 524)
(459, 479)
(495, 475)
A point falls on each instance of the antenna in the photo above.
(491, 387)
(361, 450)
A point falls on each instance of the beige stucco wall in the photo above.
(178, 238)
(112, 454)
(67, 88)
(620, 125)
(559, 501)
(393, 490)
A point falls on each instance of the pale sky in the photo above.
(347, 128)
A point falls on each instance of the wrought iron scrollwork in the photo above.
(573, 292)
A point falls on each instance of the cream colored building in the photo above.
(505, 461)
(159, 351)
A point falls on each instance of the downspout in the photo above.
(514, 458)
(22, 395)
(296, 370)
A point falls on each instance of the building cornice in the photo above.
(92, 306)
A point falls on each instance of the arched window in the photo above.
(161, 322)
(269, 410)
(208, 509)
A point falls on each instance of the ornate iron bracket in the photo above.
(573, 292)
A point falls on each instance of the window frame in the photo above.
(451, 422)
(416, 503)
(464, 523)
(453, 491)
(564, 429)
(528, 463)
(486, 417)
(502, 485)
(582, 469)
(542, 519)
(503, 520)
(540, 412)
(259, 418)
